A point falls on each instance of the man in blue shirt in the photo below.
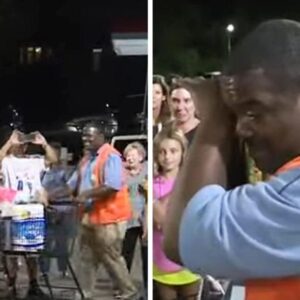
(101, 239)
(251, 231)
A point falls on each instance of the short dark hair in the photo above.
(274, 47)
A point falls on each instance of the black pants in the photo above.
(130, 240)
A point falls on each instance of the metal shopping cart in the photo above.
(62, 221)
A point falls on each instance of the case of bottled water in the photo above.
(28, 227)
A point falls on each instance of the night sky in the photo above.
(64, 85)
(190, 36)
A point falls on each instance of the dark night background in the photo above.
(190, 38)
(62, 84)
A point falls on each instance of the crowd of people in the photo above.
(178, 111)
(215, 227)
(106, 187)
(217, 223)
(175, 121)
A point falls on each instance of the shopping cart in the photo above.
(53, 217)
(62, 221)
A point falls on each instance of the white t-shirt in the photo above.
(27, 170)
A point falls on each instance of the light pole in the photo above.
(229, 29)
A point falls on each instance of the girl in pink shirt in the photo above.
(171, 280)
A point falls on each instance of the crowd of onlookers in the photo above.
(107, 187)
(175, 120)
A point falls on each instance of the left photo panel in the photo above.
(73, 150)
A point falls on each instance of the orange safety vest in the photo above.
(275, 289)
(115, 208)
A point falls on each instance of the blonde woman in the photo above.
(136, 168)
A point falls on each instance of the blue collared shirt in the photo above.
(112, 174)
(252, 231)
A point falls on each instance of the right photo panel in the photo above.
(226, 164)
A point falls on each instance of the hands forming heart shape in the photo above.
(19, 137)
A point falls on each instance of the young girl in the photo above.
(172, 281)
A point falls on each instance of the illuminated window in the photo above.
(30, 55)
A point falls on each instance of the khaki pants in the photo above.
(103, 244)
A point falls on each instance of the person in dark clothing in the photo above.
(61, 217)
